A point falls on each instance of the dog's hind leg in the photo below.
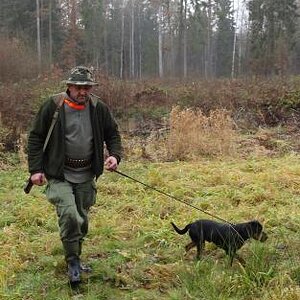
(189, 246)
(241, 260)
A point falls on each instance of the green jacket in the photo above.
(105, 130)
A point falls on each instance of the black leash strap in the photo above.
(173, 197)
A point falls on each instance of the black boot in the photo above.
(74, 272)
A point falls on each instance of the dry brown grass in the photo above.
(193, 134)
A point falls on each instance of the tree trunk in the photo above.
(208, 60)
(234, 42)
(180, 40)
(240, 44)
(160, 41)
(132, 54)
(140, 45)
(122, 42)
(105, 48)
(50, 36)
(38, 24)
(185, 41)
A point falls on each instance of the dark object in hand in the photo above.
(28, 186)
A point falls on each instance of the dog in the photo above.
(230, 237)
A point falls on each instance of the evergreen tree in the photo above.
(18, 18)
(224, 37)
(272, 29)
(197, 35)
(92, 19)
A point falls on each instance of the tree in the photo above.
(38, 30)
(18, 18)
(197, 35)
(132, 40)
(160, 41)
(72, 49)
(92, 20)
(272, 29)
(224, 37)
(122, 41)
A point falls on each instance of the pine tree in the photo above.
(272, 29)
(224, 37)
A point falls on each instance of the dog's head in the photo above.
(256, 231)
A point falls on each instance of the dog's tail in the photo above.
(181, 231)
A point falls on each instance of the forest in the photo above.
(206, 94)
(131, 39)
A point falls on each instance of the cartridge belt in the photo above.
(77, 163)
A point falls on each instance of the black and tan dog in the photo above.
(229, 237)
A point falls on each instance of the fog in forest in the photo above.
(151, 39)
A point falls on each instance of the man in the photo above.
(73, 158)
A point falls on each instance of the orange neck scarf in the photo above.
(74, 105)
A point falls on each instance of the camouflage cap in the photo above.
(81, 76)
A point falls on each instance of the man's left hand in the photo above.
(111, 163)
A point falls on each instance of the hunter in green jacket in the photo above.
(67, 154)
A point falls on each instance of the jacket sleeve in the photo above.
(112, 136)
(37, 136)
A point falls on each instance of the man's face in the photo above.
(80, 93)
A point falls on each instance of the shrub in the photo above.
(17, 61)
(193, 134)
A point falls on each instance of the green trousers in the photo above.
(72, 202)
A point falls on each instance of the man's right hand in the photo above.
(38, 179)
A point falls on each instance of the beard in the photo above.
(82, 99)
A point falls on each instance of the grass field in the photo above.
(132, 248)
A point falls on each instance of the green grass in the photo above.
(133, 250)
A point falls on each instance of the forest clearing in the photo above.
(218, 161)
(134, 252)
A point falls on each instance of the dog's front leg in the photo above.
(199, 250)
(200, 247)
(231, 255)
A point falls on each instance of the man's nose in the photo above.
(82, 91)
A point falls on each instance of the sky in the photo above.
(240, 11)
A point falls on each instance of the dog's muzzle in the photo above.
(262, 237)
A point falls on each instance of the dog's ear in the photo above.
(256, 226)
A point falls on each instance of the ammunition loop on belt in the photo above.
(77, 163)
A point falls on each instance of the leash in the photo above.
(173, 197)
(181, 201)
